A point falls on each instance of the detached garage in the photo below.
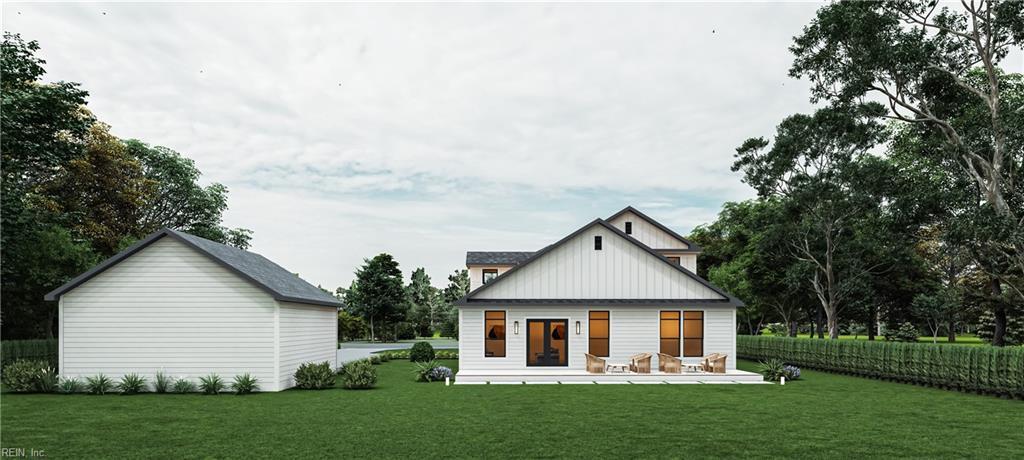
(188, 306)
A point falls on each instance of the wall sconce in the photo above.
(515, 327)
(577, 328)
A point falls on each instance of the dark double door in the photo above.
(547, 342)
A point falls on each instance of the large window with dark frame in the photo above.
(670, 333)
(490, 274)
(599, 331)
(494, 334)
(693, 333)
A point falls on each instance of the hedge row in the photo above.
(39, 349)
(983, 369)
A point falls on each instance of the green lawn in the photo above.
(823, 415)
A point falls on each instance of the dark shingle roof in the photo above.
(282, 284)
(496, 257)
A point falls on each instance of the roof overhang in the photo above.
(682, 303)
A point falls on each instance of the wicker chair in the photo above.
(595, 365)
(640, 363)
(669, 364)
(714, 362)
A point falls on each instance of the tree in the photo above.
(378, 294)
(940, 70)
(935, 310)
(812, 168)
(458, 287)
(422, 299)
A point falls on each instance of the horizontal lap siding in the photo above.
(308, 334)
(575, 270)
(168, 308)
(633, 330)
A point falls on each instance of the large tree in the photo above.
(423, 301)
(940, 69)
(378, 293)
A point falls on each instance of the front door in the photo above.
(547, 342)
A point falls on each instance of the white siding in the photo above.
(633, 330)
(476, 274)
(575, 270)
(647, 233)
(168, 308)
(687, 259)
(307, 333)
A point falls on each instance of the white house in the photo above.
(188, 306)
(586, 307)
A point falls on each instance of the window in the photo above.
(673, 259)
(599, 331)
(693, 333)
(629, 228)
(670, 333)
(490, 274)
(597, 243)
(494, 334)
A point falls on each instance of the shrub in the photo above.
(183, 385)
(99, 384)
(245, 384)
(983, 369)
(359, 375)
(314, 376)
(132, 384)
(70, 385)
(791, 372)
(440, 373)
(772, 369)
(161, 382)
(212, 384)
(45, 350)
(447, 354)
(421, 352)
(906, 333)
(47, 380)
(22, 376)
(384, 357)
(422, 371)
(374, 359)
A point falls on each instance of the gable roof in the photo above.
(691, 246)
(727, 299)
(280, 283)
(496, 257)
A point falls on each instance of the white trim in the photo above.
(277, 346)
(60, 336)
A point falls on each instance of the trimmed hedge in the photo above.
(28, 350)
(982, 369)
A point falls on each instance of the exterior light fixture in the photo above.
(577, 328)
(515, 328)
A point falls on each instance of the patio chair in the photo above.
(640, 363)
(595, 365)
(669, 364)
(714, 362)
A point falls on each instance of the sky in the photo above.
(425, 131)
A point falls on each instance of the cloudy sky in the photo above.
(424, 131)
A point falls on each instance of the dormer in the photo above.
(656, 236)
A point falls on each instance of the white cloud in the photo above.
(429, 130)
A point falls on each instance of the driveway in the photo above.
(354, 351)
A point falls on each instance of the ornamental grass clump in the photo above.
(70, 385)
(183, 386)
(245, 384)
(772, 369)
(161, 382)
(132, 384)
(212, 384)
(315, 376)
(98, 384)
(431, 372)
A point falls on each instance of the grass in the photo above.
(965, 339)
(822, 415)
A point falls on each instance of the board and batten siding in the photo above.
(308, 333)
(168, 308)
(575, 270)
(647, 233)
(633, 329)
(476, 274)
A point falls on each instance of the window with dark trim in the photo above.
(629, 228)
(494, 334)
(693, 333)
(597, 243)
(599, 330)
(673, 259)
(490, 274)
(670, 333)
